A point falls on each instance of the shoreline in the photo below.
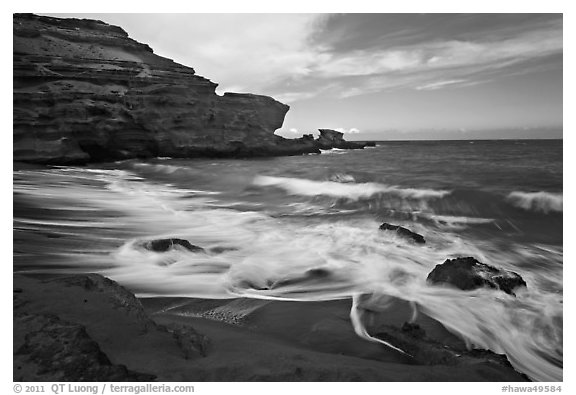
(185, 339)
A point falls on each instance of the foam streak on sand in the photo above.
(543, 202)
(356, 318)
(351, 191)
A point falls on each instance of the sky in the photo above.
(377, 76)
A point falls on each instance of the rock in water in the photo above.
(84, 91)
(467, 274)
(425, 351)
(163, 245)
(404, 232)
(329, 139)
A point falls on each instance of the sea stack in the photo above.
(329, 139)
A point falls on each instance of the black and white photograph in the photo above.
(287, 197)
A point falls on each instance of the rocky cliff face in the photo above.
(85, 92)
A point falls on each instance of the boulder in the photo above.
(89, 328)
(163, 245)
(426, 351)
(468, 274)
(118, 297)
(63, 351)
(192, 343)
(417, 238)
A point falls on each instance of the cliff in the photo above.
(86, 92)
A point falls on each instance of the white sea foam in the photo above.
(456, 222)
(255, 255)
(161, 168)
(349, 190)
(543, 202)
(333, 151)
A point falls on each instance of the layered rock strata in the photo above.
(86, 92)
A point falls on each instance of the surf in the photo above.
(542, 202)
(348, 190)
(284, 230)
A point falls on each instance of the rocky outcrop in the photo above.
(329, 139)
(62, 351)
(467, 274)
(89, 328)
(86, 92)
(406, 233)
(426, 351)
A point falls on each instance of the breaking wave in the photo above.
(349, 190)
(543, 202)
(333, 151)
(456, 222)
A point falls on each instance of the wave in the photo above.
(252, 254)
(349, 190)
(456, 222)
(333, 151)
(161, 168)
(543, 202)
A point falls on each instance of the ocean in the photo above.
(306, 228)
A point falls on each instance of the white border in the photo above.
(260, 6)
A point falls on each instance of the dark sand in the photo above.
(231, 340)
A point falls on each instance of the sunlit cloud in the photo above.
(348, 131)
(438, 85)
(252, 52)
(289, 97)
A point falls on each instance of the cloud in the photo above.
(438, 85)
(277, 55)
(348, 131)
(250, 52)
(417, 51)
(240, 52)
(289, 97)
(426, 65)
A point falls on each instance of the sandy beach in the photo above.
(184, 339)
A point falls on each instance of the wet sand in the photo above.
(183, 339)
